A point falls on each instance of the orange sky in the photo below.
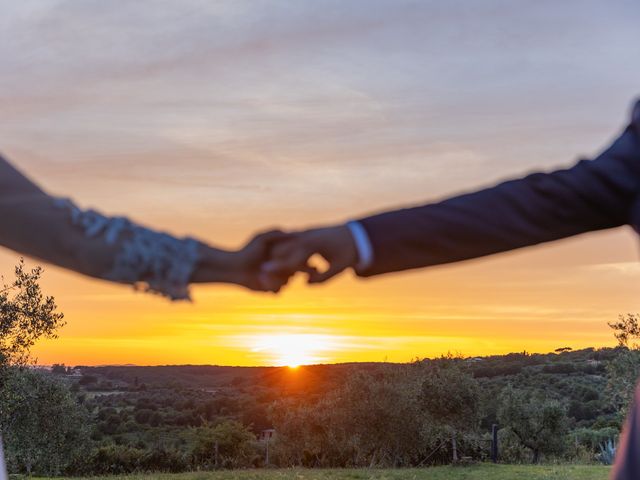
(219, 119)
(537, 301)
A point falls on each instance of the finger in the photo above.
(309, 270)
(294, 261)
(321, 277)
(272, 283)
(263, 282)
(270, 237)
(274, 270)
(284, 248)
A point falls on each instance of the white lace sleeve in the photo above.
(155, 261)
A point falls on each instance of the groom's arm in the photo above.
(592, 195)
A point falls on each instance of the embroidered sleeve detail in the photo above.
(153, 261)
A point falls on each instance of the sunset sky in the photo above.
(220, 118)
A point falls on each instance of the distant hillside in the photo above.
(305, 379)
(576, 377)
(138, 410)
(588, 362)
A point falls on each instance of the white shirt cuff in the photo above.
(363, 245)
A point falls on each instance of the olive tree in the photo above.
(42, 424)
(540, 424)
(624, 369)
(26, 315)
(450, 399)
(44, 428)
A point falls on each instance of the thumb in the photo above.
(269, 237)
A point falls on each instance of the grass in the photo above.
(479, 472)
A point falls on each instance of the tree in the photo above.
(26, 315)
(227, 445)
(58, 369)
(563, 349)
(622, 375)
(627, 328)
(450, 398)
(623, 370)
(376, 415)
(539, 424)
(43, 425)
(372, 419)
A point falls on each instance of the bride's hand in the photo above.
(242, 267)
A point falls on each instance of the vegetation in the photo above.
(565, 406)
(41, 423)
(551, 407)
(171, 418)
(26, 316)
(450, 400)
(45, 430)
(537, 423)
(477, 472)
(625, 371)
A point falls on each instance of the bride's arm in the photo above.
(114, 248)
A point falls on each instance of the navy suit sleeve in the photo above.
(541, 207)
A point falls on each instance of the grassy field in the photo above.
(480, 472)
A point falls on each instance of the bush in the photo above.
(123, 459)
(43, 425)
(607, 452)
(228, 445)
(593, 438)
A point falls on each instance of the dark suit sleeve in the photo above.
(541, 207)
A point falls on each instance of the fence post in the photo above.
(3, 464)
(494, 443)
(266, 462)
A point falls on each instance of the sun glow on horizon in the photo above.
(294, 350)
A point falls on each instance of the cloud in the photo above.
(625, 269)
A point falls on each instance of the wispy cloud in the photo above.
(627, 269)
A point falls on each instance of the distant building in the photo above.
(267, 434)
(475, 359)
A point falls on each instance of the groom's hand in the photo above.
(335, 244)
(251, 258)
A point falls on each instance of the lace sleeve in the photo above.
(151, 261)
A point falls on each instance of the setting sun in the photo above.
(293, 350)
